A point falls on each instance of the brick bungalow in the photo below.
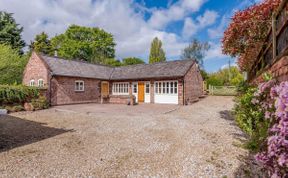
(71, 82)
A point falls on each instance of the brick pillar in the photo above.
(131, 94)
(152, 91)
(180, 92)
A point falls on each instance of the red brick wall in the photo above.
(279, 71)
(63, 91)
(114, 99)
(35, 70)
(193, 85)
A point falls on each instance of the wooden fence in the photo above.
(276, 44)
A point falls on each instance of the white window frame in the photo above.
(147, 84)
(161, 87)
(41, 84)
(133, 87)
(79, 89)
(120, 88)
(32, 83)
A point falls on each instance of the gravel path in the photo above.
(193, 141)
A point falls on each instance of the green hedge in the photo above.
(17, 94)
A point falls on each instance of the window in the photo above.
(32, 83)
(120, 88)
(175, 87)
(40, 83)
(166, 88)
(135, 88)
(79, 85)
(147, 88)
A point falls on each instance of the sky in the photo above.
(134, 23)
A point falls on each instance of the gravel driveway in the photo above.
(190, 141)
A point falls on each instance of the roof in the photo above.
(63, 67)
(72, 68)
(167, 69)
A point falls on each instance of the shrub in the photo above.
(17, 94)
(18, 108)
(275, 155)
(263, 114)
(40, 103)
(250, 118)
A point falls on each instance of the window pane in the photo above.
(164, 87)
(147, 88)
(167, 87)
(156, 87)
(160, 87)
(175, 88)
(171, 87)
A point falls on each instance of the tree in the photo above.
(11, 65)
(10, 32)
(112, 62)
(226, 76)
(132, 61)
(196, 51)
(42, 44)
(204, 74)
(90, 44)
(247, 32)
(157, 54)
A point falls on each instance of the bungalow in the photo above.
(72, 82)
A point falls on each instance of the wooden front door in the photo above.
(104, 89)
(141, 92)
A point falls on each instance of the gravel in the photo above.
(200, 140)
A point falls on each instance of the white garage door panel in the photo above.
(166, 99)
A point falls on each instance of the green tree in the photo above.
(11, 65)
(42, 44)
(196, 51)
(10, 32)
(226, 77)
(132, 61)
(85, 43)
(112, 62)
(157, 53)
(204, 74)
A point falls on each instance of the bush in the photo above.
(250, 118)
(17, 94)
(263, 114)
(274, 157)
(18, 108)
(40, 103)
(15, 108)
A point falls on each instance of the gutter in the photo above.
(50, 93)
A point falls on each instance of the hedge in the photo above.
(17, 94)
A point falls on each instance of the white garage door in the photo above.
(166, 92)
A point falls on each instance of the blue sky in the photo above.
(134, 23)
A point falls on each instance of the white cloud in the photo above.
(192, 27)
(132, 33)
(216, 33)
(177, 11)
(215, 52)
